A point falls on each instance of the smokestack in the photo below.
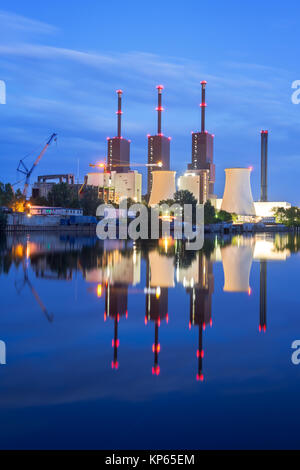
(159, 108)
(203, 106)
(264, 166)
(119, 112)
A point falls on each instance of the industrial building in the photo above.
(197, 182)
(118, 148)
(158, 145)
(45, 183)
(114, 186)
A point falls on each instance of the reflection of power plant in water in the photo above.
(237, 262)
(116, 299)
(201, 305)
(198, 279)
(263, 297)
(159, 276)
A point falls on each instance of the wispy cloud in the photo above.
(17, 23)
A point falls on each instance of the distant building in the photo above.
(45, 183)
(127, 185)
(158, 145)
(197, 182)
(42, 210)
(116, 186)
(263, 209)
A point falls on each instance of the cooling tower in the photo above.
(237, 262)
(237, 194)
(163, 186)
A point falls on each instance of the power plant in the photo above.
(118, 148)
(117, 181)
(159, 144)
(200, 177)
(203, 147)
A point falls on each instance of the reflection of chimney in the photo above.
(115, 345)
(263, 297)
(264, 166)
(201, 306)
(116, 298)
(200, 355)
(156, 349)
(119, 112)
(156, 301)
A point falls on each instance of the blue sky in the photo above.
(63, 60)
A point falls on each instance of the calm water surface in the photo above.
(120, 346)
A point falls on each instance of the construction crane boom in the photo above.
(23, 169)
(104, 165)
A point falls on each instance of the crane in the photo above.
(23, 169)
(115, 165)
(104, 166)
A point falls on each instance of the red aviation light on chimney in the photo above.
(160, 87)
(200, 377)
(203, 82)
(119, 92)
(156, 370)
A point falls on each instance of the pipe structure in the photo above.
(203, 106)
(159, 108)
(264, 166)
(119, 112)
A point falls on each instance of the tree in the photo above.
(289, 217)
(6, 195)
(39, 201)
(224, 216)
(209, 213)
(11, 199)
(63, 195)
(184, 197)
(90, 201)
(18, 202)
